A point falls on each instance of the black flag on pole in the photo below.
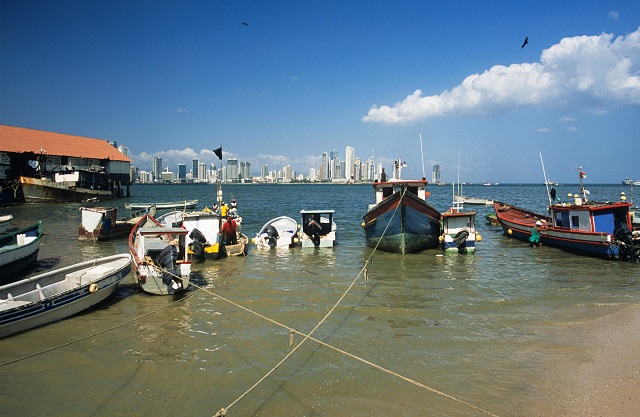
(218, 152)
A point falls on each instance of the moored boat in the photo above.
(627, 181)
(57, 294)
(102, 224)
(66, 186)
(160, 256)
(596, 229)
(184, 204)
(279, 232)
(19, 250)
(5, 221)
(401, 220)
(318, 229)
(459, 230)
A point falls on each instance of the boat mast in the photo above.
(546, 183)
(422, 154)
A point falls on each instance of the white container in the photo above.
(20, 239)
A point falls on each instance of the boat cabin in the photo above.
(594, 217)
(387, 189)
(323, 218)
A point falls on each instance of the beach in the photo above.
(593, 370)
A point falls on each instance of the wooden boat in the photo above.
(66, 186)
(19, 249)
(279, 232)
(159, 256)
(492, 219)
(5, 221)
(240, 248)
(601, 230)
(100, 223)
(185, 204)
(318, 229)
(60, 293)
(458, 230)
(401, 220)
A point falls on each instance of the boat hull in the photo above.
(19, 250)
(100, 223)
(287, 234)
(37, 190)
(518, 223)
(77, 294)
(402, 224)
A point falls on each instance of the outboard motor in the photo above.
(197, 244)
(272, 236)
(461, 240)
(626, 247)
(167, 259)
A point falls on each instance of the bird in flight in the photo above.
(245, 23)
(526, 41)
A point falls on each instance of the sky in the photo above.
(281, 82)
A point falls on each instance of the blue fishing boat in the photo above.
(19, 250)
(401, 220)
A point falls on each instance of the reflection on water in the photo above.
(468, 325)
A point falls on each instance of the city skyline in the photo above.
(177, 79)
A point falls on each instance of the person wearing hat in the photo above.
(535, 234)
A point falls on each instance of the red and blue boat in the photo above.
(596, 229)
(401, 220)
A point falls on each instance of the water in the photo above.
(475, 327)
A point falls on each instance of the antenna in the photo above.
(546, 183)
(422, 154)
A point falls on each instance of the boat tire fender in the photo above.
(93, 288)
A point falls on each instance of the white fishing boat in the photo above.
(102, 224)
(19, 250)
(184, 204)
(458, 227)
(60, 293)
(160, 257)
(318, 229)
(5, 221)
(279, 232)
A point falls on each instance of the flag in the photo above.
(218, 152)
(583, 174)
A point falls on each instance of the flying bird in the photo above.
(245, 23)
(526, 41)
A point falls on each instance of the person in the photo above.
(535, 234)
(234, 205)
(224, 209)
(228, 230)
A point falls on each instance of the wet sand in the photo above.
(593, 370)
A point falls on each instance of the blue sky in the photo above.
(178, 79)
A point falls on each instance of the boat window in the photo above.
(387, 192)
(562, 219)
(604, 222)
(581, 220)
(412, 190)
(575, 222)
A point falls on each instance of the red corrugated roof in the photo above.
(21, 140)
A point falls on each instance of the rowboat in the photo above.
(184, 204)
(57, 294)
(238, 249)
(101, 223)
(19, 250)
(5, 221)
(279, 232)
(159, 256)
(401, 220)
(596, 229)
(318, 229)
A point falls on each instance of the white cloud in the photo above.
(613, 15)
(181, 110)
(572, 129)
(544, 130)
(566, 119)
(583, 70)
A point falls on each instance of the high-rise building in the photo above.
(182, 172)
(202, 172)
(324, 167)
(232, 169)
(349, 162)
(156, 168)
(264, 171)
(194, 168)
(435, 174)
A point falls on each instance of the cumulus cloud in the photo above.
(592, 70)
(545, 130)
(613, 15)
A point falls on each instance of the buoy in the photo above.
(296, 240)
(93, 288)
(478, 237)
(441, 238)
(510, 231)
(362, 224)
(623, 198)
(253, 240)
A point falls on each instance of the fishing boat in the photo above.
(474, 201)
(627, 181)
(458, 227)
(492, 219)
(318, 229)
(596, 229)
(102, 224)
(5, 221)
(279, 232)
(69, 185)
(401, 220)
(160, 256)
(240, 248)
(19, 250)
(58, 294)
(184, 204)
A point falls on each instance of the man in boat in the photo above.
(229, 232)
(233, 206)
(224, 209)
(314, 230)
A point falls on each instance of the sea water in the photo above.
(445, 333)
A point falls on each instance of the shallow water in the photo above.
(475, 327)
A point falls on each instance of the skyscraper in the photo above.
(435, 174)
(232, 169)
(156, 168)
(182, 172)
(194, 168)
(349, 162)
